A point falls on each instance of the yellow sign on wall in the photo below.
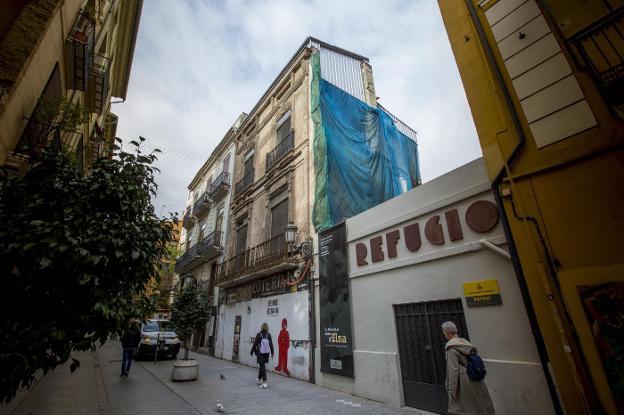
(483, 292)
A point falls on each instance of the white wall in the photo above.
(292, 306)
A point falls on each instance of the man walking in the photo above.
(467, 396)
(129, 342)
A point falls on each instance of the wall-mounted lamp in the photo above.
(291, 233)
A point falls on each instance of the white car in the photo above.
(158, 335)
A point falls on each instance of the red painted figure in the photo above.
(283, 341)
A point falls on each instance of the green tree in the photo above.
(191, 311)
(76, 252)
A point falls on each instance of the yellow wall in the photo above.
(572, 188)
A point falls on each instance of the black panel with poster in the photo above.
(335, 303)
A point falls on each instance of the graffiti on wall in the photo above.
(283, 342)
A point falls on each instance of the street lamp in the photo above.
(291, 233)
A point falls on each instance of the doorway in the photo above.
(421, 350)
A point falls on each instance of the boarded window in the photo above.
(279, 218)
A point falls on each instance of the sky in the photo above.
(199, 64)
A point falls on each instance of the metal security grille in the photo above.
(421, 350)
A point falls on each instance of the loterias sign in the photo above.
(481, 217)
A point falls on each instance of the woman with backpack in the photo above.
(465, 371)
(262, 346)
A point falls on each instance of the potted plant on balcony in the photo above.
(190, 312)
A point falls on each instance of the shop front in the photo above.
(437, 253)
(280, 300)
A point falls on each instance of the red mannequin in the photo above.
(283, 341)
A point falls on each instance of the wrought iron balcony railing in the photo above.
(260, 256)
(280, 150)
(203, 251)
(189, 220)
(220, 186)
(601, 49)
(38, 135)
(202, 204)
(81, 46)
(245, 182)
(100, 74)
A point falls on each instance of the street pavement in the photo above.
(96, 388)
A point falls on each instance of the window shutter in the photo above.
(279, 218)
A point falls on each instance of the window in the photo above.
(189, 240)
(202, 229)
(241, 235)
(249, 159)
(283, 127)
(241, 239)
(226, 163)
(279, 217)
(219, 221)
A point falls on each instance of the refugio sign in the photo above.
(335, 303)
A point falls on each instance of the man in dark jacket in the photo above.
(129, 342)
(261, 346)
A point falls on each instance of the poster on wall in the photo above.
(604, 308)
(335, 303)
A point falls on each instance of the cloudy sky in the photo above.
(199, 64)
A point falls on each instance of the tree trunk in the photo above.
(186, 349)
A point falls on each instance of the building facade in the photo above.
(77, 49)
(204, 224)
(434, 254)
(544, 82)
(276, 204)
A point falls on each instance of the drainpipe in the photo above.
(499, 251)
(513, 254)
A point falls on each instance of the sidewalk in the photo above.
(97, 389)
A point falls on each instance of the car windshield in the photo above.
(166, 326)
(150, 326)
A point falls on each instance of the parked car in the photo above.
(158, 335)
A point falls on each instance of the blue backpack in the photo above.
(475, 367)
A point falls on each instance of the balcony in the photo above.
(244, 183)
(189, 220)
(266, 258)
(201, 252)
(38, 135)
(275, 155)
(201, 205)
(100, 74)
(220, 186)
(81, 43)
(601, 51)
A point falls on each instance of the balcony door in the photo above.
(219, 221)
(279, 217)
(283, 127)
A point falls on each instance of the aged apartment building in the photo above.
(310, 154)
(81, 50)
(204, 224)
(545, 83)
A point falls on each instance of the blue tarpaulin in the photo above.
(361, 158)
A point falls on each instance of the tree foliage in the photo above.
(191, 311)
(76, 253)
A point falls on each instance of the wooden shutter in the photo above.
(241, 239)
(279, 218)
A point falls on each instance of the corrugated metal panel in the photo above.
(341, 70)
(400, 125)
